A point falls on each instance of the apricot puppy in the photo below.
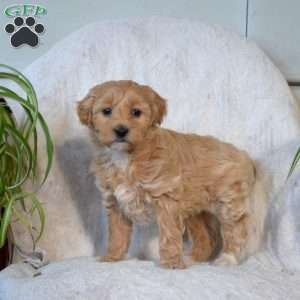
(150, 174)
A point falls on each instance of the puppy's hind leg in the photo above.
(234, 219)
(235, 237)
(204, 231)
(244, 222)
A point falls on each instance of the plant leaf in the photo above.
(294, 163)
(49, 146)
(5, 220)
(41, 213)
(20, 141)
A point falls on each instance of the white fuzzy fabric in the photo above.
(216, 83)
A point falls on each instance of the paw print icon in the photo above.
(24, 31)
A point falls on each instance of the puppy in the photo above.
(150, 174)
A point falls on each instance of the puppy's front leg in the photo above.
(119, 234)
(171, 230)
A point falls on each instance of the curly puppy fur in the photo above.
(181, 181)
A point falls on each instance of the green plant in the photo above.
(18, 155)
(294, 162)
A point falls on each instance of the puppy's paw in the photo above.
(107, 258)
(189, 260)
(173, 264)
(226, 259)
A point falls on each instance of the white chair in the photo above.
(216, 83)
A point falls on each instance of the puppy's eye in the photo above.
(107, 111)
(136, 112)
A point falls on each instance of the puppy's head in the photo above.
(121, 112)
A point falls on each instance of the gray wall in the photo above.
(273, 24)
(66, 16)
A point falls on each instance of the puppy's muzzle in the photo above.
(121, 131)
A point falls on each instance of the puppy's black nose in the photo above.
(121, 131)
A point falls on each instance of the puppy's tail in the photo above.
(257, 216)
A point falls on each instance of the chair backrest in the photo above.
(216, 83)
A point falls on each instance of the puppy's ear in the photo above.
(84, 110)
(159, 110)
(158, 106)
